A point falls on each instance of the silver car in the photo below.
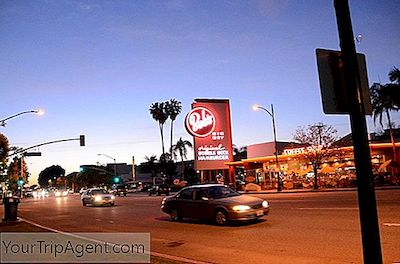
(97, 196)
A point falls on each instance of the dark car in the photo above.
(120, 191)
(160, 189)
(214, 202)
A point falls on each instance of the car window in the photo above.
(200, 193)
(186, 194)
(218, 192)
(98, 191)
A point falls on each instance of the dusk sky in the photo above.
(95, 67)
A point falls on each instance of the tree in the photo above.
(386, 98)
(51, 173)
(94, 176)
(4, 149)
(157, 111)
(181, 148)
(173, 109)
(318, 139)
(239, 153)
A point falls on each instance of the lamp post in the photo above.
(115, 163)
(272, 114)
(3, 121)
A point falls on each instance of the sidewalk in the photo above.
(274, 191)
(21, 226)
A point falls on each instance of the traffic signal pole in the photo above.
(362, 156)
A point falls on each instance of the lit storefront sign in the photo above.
(209, 123)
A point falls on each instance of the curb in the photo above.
(155, 254)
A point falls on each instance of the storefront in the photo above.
(296, 171)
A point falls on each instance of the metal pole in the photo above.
(279, 187)
(115, 167)
(366, 193)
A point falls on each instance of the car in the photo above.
(159, 189)
(215, 202)
(120, 191)
(61, 193)
(39, 193)
(97, 197)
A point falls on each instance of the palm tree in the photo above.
(394, 87)
(157, 111)
(181, 148)
(385, 98)
(173, 109)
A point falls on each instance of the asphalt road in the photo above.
(318, 227)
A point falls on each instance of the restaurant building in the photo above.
(295, 169)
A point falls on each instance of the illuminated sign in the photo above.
(200, 122)
(209, 123)
(303, 150)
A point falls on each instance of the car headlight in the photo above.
(58, 193)
(163, 201)
(241, 208)
(65, 193)
(97, 198)
(112, 197)
(265, 204)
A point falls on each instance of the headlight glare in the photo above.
(265, 204)
(241, 208)
(97, 198)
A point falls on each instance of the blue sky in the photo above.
(96, 66)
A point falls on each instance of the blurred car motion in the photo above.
(97, 197)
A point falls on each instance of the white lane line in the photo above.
(391, 224)
(327, 208)
(156, 254)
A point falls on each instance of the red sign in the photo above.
(200, 122)
(209, 123)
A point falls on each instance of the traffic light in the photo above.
(20, 181)
(116, 179)
(82, 140)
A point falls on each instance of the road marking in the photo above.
(391, 224)
(327, 208)
(97, 219)
(111, 222)
(156, 254)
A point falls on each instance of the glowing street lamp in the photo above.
(37, 112)
(271, 113)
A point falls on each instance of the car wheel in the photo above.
(221, 217)
(83, 203)
(149, 194)
(175, 216)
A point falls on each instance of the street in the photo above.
(312, 227)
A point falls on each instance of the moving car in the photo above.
(120, 191)
(159, 189)
(214, 202)
(97, 196)
(61, 193)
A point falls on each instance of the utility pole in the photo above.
(362, 156)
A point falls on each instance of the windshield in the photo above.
(218, 192)
(99, 191)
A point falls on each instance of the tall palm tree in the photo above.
(394, 87)
(157, 111)
(173, 108)
(382, 104)
(181, 148)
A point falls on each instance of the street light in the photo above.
(38, 112)
(271, 113)
(115, 163)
